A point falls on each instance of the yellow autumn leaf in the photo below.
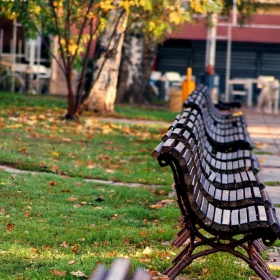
(196, 5)
(152, 25)
(55, 154)
(147, 251)
(14, 125)
(175, 17)
(236, 114)
(125, 4)
(106, 129)
(273, 267)
(106, 5)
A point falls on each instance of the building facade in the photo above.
(255, 47)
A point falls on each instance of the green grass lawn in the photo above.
(57, 225)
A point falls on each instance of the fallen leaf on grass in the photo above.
(54, 168)
(106, 129)
(147, 251)
(75, 248)
(104, 158)
(64, 244)
(9, 227)
(109, 170)
(35, 250)
(77, 205)
(91, 166)
(73, 199)
(55, 154)
(78, 274)
(143, 233)
(41, 117)
(58, 273)
(71, 262)
(66, 139)
(162, 203)
(126, 240)
(154, 273)
(27, 214)
(14, 126)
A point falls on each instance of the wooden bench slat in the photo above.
(243, 219)
(119, 270)
(252, 216)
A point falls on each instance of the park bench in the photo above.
(226, 131)
(221, 111)
(222, 198)
(223, 105)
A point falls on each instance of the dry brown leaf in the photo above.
(58, 273)
(54, 168)
(75, 248)
(9, 227)
(156, 206)
(35, 250)
(109, 170)
(126, 240)
(73, 199)
(14, 125)
(27, 214)
(64, 244)
(66, 139)
(52, 183)
(77, 205)
(91, 166)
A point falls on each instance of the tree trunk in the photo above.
(106, 65)
(71, 107)
(137, 62)
(130, 78)
(150, 52)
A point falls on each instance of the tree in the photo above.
(147, 23)
(141, 42)
(73, 23)
(107, 59)
(77, 23)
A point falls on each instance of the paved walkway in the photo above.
(264, 131)
(265, 135)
